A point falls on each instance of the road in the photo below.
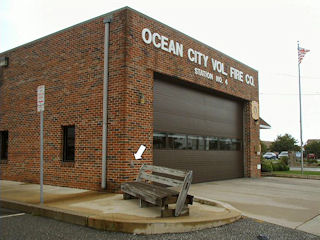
(16, 225)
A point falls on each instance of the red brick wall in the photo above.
(142, 60)
(252, 142)
(70, 64)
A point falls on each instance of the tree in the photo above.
(284, 143)
(264, 147)
(313, 147)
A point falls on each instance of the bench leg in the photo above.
(127, 196)
(143, 204)
(166, 212)
(185, 211)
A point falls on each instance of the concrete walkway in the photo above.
(109, 211)
(313, 169)
(289, 202)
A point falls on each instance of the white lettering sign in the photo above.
(197, 57)
(162, 42)
(168, 45)
(203, 73)
(249, 80)
(218, 66)
(236, 74)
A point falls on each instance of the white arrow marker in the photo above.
(139, 152)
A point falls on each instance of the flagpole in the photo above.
(300, 115)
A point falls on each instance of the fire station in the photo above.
(119, 81)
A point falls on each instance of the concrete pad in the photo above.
(111, 212)
(30, 193)
(284, 201)
(311, 226)
(108, 211)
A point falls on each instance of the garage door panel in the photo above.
(201, 114)
(168, 122)
(178, 106)
(186, 111)
(206, 165)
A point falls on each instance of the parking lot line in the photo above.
(12, 215)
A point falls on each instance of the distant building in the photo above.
(312, 140)
(264, 124)
(267, 143)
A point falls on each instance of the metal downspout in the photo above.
(107, 22)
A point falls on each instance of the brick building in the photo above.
(192, 106)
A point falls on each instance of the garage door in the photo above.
(197, 130)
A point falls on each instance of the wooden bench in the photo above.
(149, 189)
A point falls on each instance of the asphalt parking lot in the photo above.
(28, 227)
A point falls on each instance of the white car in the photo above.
(269, 155)
(283, 154)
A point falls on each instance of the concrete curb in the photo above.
(45, 211)
(143, 226)
(216, 203)
(314, 177)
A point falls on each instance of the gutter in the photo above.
(106, 22)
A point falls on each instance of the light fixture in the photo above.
(142, 99)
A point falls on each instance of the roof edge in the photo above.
(191, 38)
(118, 10)
(67, 28)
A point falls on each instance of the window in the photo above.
(230, 144)
(196, 143)
(212, 143)
(4, 145)
(225, 143)
(68, 143)
(177, 141)
(236, 145)
(159, 140)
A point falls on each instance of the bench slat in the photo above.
(160, 179)
(183, 194)
(141, 195)
(159, 190)
(169, 171)
(134, 189)
(148, 192)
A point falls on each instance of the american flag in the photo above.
(301, 53)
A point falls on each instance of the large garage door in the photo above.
(197, 130)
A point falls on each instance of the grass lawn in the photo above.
(297, 172)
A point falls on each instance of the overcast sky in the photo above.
(261, 34)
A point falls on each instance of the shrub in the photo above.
(284, 160)
(280, 165)
(284, 167)
(312, 161)
(276, 166)
(266, 166)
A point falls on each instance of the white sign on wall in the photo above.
(40, 98)
(138, 154)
